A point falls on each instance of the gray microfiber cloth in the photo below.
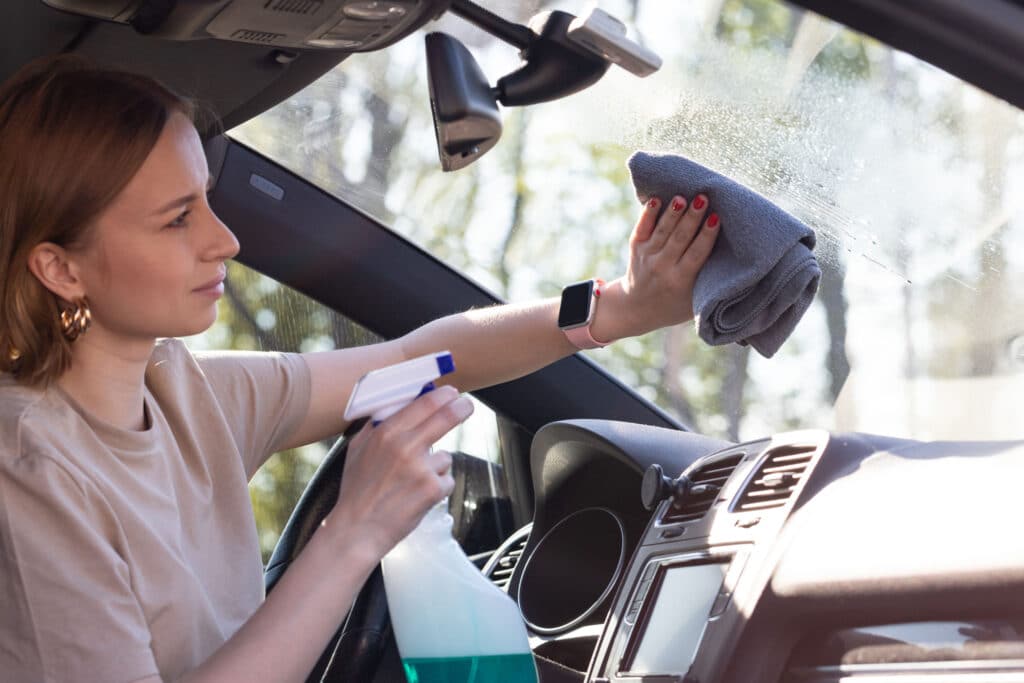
(761, 275)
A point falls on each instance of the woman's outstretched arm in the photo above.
(500, 343)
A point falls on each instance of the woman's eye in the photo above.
(179, 221)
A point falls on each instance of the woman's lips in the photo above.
(214, 287)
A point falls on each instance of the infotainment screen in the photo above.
(675, 619)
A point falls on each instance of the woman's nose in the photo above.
(222, 243)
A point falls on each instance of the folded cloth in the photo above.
(761, 275)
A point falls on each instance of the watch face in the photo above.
(576, 302)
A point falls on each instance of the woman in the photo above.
(127, 546)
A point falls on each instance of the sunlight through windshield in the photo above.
(911, 178)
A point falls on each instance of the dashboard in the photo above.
(805, 556)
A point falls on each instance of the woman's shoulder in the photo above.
(173, 355)
(17, 396)
(172, 365)
(170, 350)
(32, 420)
(18, 402)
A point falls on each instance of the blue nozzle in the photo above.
(445, 364)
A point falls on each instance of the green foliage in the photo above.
(274, 491)
(756, 24)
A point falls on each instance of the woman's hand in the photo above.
(391, 477)
(665, 256)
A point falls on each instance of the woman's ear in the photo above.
(50, 264)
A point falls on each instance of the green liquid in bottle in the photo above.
(486, 669)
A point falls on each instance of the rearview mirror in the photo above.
(466, 117)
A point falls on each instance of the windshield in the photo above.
(911, 178)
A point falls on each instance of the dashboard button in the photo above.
(673, 532)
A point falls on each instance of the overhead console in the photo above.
(350, 25)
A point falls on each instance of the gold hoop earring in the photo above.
(76, 320)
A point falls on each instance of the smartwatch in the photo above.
(575, 315)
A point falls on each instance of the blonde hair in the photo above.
(72, 135)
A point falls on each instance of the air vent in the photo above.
(250, 36)
(502, 572)
(501, 565)
(294, 6)
(776, 479)
(706, 483)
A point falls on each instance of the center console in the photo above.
(695, 573)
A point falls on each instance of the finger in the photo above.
(666, 225)
(442, 421)
(436, 481)
(686, 229)
(688, 226)
(448, 484)
(422, 406)
(362, 435)
(428, 418)
(645, 224)
(696, 255)
(440, 462)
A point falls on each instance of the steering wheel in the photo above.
(354, 653)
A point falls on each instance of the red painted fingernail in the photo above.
(713, 221)
(653, 203)
(698, 203)
(678, 204)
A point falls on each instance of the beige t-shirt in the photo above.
(127, 554)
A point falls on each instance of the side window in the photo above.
(259, 313)
(480, 505)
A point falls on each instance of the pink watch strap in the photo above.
(581, 337)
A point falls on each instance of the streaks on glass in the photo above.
(879, 173)
(950, 276)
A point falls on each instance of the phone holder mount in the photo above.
(561, 56)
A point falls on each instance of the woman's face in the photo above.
(154, 261)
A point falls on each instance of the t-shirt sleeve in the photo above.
(68, 611)
(264, 396)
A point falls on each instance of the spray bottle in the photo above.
(451, 624)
